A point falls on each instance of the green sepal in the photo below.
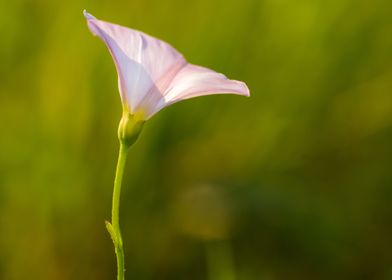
(129, 128)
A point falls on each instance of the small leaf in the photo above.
(111, 231)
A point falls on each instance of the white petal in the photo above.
(141, 61)
(193, 81)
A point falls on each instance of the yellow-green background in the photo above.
(292, 183)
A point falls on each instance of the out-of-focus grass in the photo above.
(296, 181)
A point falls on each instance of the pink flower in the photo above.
(152, 74)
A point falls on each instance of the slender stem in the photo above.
(115, 225)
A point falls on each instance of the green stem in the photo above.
(128, 132)
(114, 227)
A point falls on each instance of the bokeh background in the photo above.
(292, 183)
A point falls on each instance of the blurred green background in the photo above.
(292, 183)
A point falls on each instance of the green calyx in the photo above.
(129, 128)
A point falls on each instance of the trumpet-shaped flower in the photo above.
(152, 74)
